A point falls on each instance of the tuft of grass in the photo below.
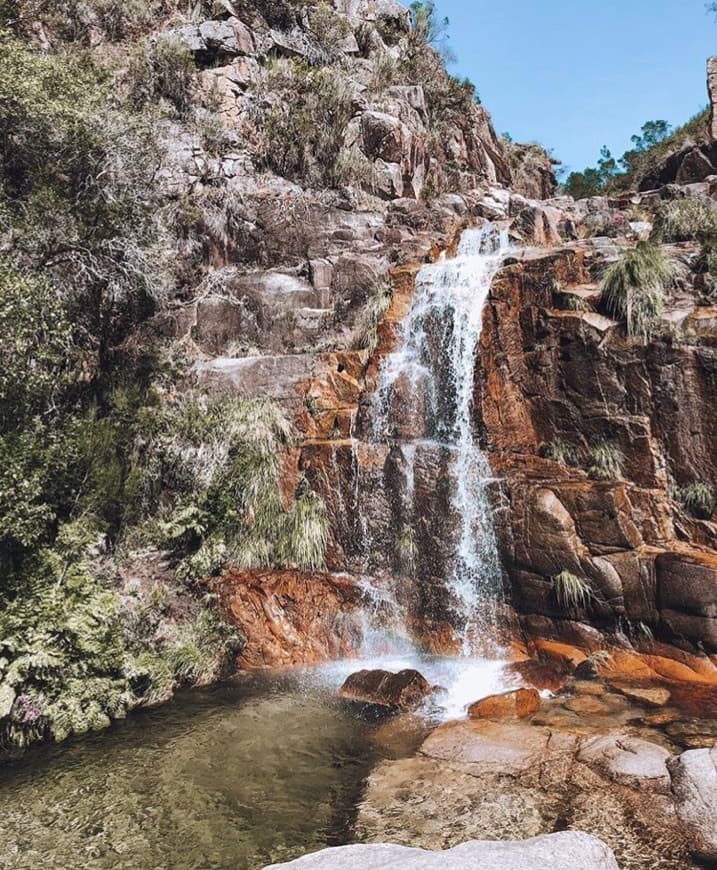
(684, 220)
(606, 461)
(365, 335)
(635, 288)
(570, 591)
(562, 452)
(576, 303)
(699, 499)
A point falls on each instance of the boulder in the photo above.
(694, 786)
(521, 704)
(406, 690)
(628, 760)
(563, 851)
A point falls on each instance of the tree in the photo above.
(430, 28)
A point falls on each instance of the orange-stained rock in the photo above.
(290, 617)
(520, 704)
(562, 654)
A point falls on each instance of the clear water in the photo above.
(233, 778)
(251, 773)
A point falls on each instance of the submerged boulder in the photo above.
(563, 851)
(386, 691)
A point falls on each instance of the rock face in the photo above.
(292, 618)
(694, 784)
(564, 851)
(406, 690)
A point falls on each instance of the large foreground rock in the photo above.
(694, 785)
(564, 851)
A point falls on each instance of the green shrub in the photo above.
(571, 592)
(684, 220)
(699, 499)
(634, 289)
(77, 191)
(606, 461)
(35, 350)
(303, 131)
(81, 20)
(162, 71)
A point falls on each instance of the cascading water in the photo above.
(424, 400)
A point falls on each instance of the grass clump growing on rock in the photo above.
(606, 461)
(561, 451)
(366, 331)
(570, 591)
(634, 289)
(698, 499)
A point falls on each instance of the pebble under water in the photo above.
(236, 777)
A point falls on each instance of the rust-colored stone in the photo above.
(520, 704)
(290, 617)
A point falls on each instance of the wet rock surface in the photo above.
(386, 692)
(292, 617)
(520, 703)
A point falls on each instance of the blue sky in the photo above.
(575, 75)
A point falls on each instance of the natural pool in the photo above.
(261, 770)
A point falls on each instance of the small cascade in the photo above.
(423, 409)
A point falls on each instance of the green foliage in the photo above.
(35, 347)
(81, 21)
(687, 219)
(76, 190)
(430, 28)
(606, 461)
(303, 131)
(699, 499)
(634, 289)
(651, 147)
(209, 469)
(571, 592)
(329, 29)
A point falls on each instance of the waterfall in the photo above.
(424, 402)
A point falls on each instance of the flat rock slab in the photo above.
(494, 747)
(564, 851)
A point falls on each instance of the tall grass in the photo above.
(634, 289)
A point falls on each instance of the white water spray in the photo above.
(432, 376)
